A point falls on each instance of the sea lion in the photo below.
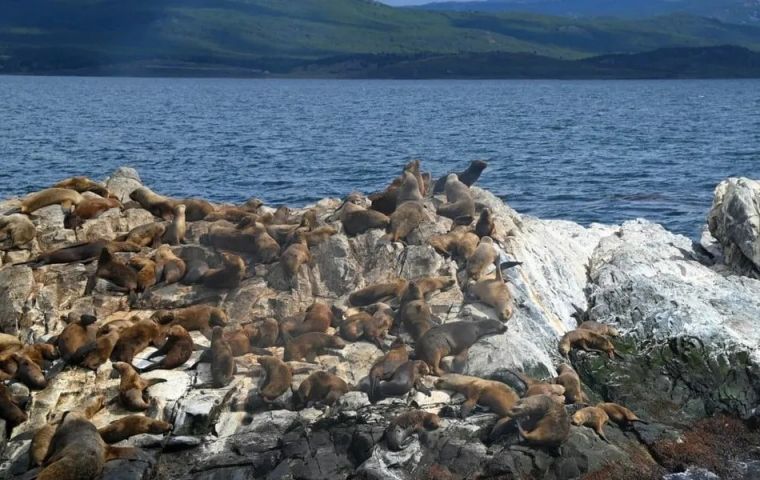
(373, 327)
(485, 226)
(279, 376)
(175, 231)
(468, 177)
(254, 240)
(158, 205)
(592, 417)
(83, 184)
(9, 410)
(51, 196)
(458, 243)
(587, 340)
(496, 396)
(170, 267)
(541, 388)
(80, 252)
(132, 387)
(459, 203)
(541, 421)
(239, 341)
(222, 362)
(315, 236)
(408, 216)
(228, 276)
(146, 272)
(148, 235)
(428, 285)
(115, 271)
(484, 256)
(619, 414)
(104, 345)
(568, 378)
(379, 292)
(319, 388)
(196, 209)
(135, 339)
(317, 318)
(78, 452)
(9, 342)
(454, 338)
(28, 372)
(357, 220)
(600, 328)
(294, 256)
(494, 293)
(386, 366)
(399, 433)
(407, 376)
(176, 350)
(309, 345)
(416, 317)
(132, 425)
(200, 318)
(41, 353)
(16, 230)
(266, 333)
(88, 209)
(75, 338)
(117, 325)
(409, 190)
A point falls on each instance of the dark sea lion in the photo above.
(51, 196)
(176, 350)
(115, 271)
(200, 318)
(9, 410)
(76, 337)
(587, 340)
(468, 177)
(385, 201)
(132, 425)
(176, 229)
(228, 276)
(357, 220)
(319, 388)
(485, 226)
(619, 414)
(399, 433)
(146, 272)
(484, 256)
(279, 376)
(170, 266)
(196, 209)
(132, 386)
(84, 184)
(317, 318)
(148, 235)
(386, 366)
(592, 417)
(158, 205)
(496, 396)
(454, 338)
(104, 345)
(459, 203)
(541, 421)
(379, 292)
(568, 378)
(405, 378)
(407, 217)
(80, 252)
(222, 362)
(135, 339)
(16, 230)
(88, 209)
(309, 345)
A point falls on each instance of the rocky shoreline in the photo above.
(687, 314)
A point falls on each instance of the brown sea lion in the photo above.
(494, 293)
(81, 252)
(409, 190)
(399, 433)
(587, 340)
(600, 328)
(158, 205)
(254, 240)
(115, 271)
(132, 425)
(483, 257)
(83, 184)
(319, 388)
(104, 345)
(170, 267)
(405, 378)
(485, 226)
(541, 421)
(266, 333)
(279, 376)
(134, 339)
(175, 231)
(317, 318)
(148, 235)
(316, 236)
(200, 318)
(468, 177)
(378, 293)
(132, 387)
(117, 325)
(222, 362)
(41, 353)
(9, 343)
(592, 417)
(429, 285)
(228, 276)
(416, 317)
(357, 220)
(176, 350)
(146, 272)
(454, 338)
(88, 209)
(386, 366)
(294, 256)
(9, 410)
(568, 378)
(373, 327)
(239, 340)
(16, 230)
(196, 209)
(619, 414)
(51, 196)
(458, 243)
(76, 338)
(309, 345)
(407, 217)
(496, 396)
(459, 203)
(541, 388)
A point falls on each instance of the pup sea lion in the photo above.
(320, 388)
(146, 272)
(51, 196)
(494, 293)
(309, 345)
(77, 335)
(496, 396)
(132, 425)
(459, 203)
(541, 421)
(9, 410)
(135, 339)
(399, 433)
(485, 226)
(158, 205)
(568, 378)
(88, 209)
(175, 231)
(592, 417)
(468, 177)
(132, 386)
(428, 285)
(587, 340)
(279, 376)
(115, 271)
(408, 216)
(176, 350)
(454, 338)
(407, 376)
(197, 317)
(357, 220)
(228, 276)
(619, 414)
(317, 318)
(83, 184)
(148, 235)
(386, 366)
(170, 267)
(16, 230)
(378, 293)
(222, 362)
(483, 256)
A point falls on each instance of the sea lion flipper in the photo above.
(91, 280)
(154, 381)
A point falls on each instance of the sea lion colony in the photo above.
(249, 234)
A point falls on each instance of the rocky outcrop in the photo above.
(734, 220)
(689, 343)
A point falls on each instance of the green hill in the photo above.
(280, 35)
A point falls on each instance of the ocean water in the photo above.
(588, 151)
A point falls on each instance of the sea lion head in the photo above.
(580, 417)
(477, 166)
(491, 327)
(176, 331)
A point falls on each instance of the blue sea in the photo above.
(588, 151)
